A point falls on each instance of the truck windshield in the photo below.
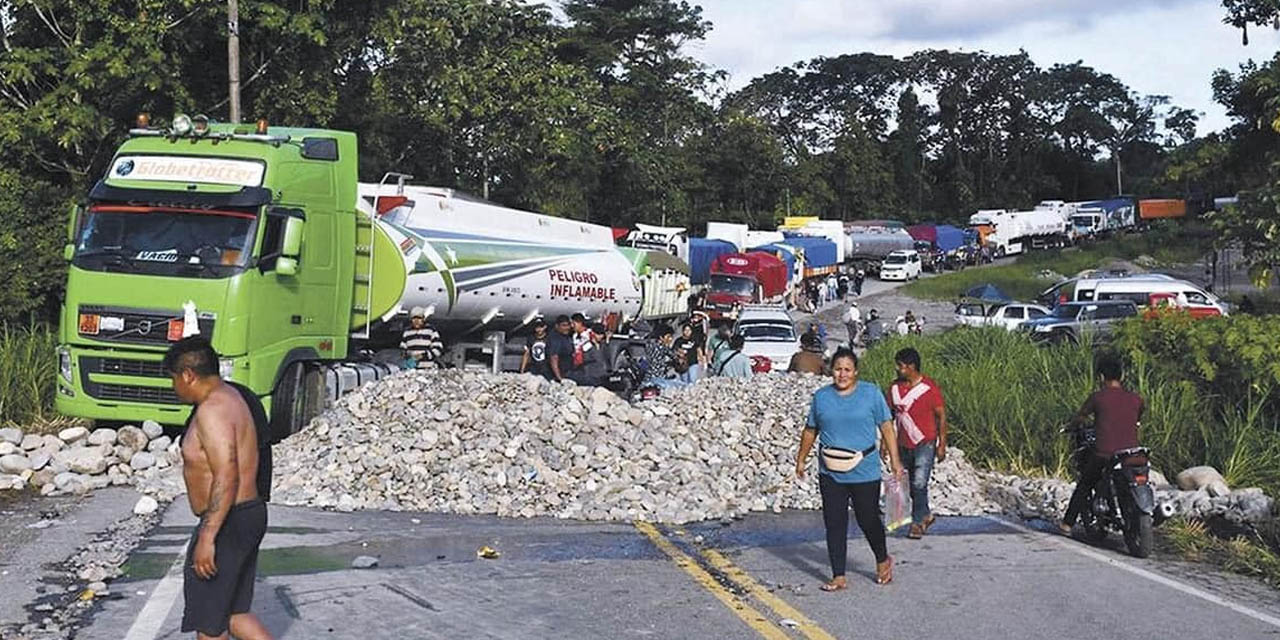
(167, 241)
(735, 285)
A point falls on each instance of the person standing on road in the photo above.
(921, 418)
(220, 469)
(847, 418)
(560, 349)
(1116, 412)
(534, 359)
(853, 323)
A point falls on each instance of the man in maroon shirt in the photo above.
(1116, 413)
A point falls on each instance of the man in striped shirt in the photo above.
(421, 343)
(921, 417)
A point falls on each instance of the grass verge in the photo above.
(28, 370)
(1254, 554)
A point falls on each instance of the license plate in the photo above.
(89, 324)
(111, 323)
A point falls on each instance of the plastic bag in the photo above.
(897, 500)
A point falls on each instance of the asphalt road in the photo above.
(971, 578)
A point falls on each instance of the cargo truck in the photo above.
(1013, 232)
(732, 232)
(262, 240)
(1160, 209)
(870, 245)
(1102, 217)
(739, 279)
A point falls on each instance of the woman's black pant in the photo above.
(836, 498)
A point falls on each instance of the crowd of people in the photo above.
(836, 286)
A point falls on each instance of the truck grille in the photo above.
(128, 393)
(125, 392)
(141, 326)
(124, 367)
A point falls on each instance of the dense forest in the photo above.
(598, 111)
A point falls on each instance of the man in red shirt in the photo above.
(921, 417)
(1116, 412)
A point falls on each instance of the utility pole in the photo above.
(233, 56)
(1119, 186)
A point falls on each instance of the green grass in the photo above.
(1006, 399)
(1021, 280)
(1254, 554)
(28, 370)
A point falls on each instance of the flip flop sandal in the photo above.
(834, 586)
(915, 532)
(884, 575)
(928, 522)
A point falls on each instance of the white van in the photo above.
(1146, 290)
(902, 264)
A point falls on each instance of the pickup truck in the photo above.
(1080, 321)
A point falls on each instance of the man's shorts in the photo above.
(209, 604)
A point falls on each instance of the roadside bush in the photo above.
(28, 370)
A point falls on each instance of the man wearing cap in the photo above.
(420, 342)
(534, 359)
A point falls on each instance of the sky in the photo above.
(1164, 47)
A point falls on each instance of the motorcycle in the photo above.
(627, 379)
(1123, 500)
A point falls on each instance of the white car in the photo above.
(768, 331)
(1005, 316)
(901, 265)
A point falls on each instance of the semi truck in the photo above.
(870, 245)
(818, 255)
(262, 240)
(732, 232)
(738, 279)
(1102, 217)
(702, 254)
(934, 242)
(1013, 232)
(673, 240)
(1160, 209)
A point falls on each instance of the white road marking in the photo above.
(147, 625)
(1143, 573)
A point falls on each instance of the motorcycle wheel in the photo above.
(1140, 538)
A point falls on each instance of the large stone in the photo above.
(142, 460)
(146, 505)
(14, 464)
(72, 434)
(31, 442)
(1204, 477)
(9, 448)
(83, 460)
(152, 429)
(132, 437)
(102, 436)
(11, 435)
(40, 459)
(158, 445)
(1157, 479)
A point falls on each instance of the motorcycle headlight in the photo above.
(64, 363)
(226, 367)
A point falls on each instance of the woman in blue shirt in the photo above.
(845, 417)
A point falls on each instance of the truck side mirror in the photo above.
(73, 222)
(68, 251)
(291, 245)
(287, 266)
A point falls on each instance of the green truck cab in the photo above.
(251, 236)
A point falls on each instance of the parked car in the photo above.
(901, 265)
(1006, 316)
(1145, 290)
(768, 331)
(1080, 321)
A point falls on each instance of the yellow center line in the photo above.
(808, 627)
(745, 612)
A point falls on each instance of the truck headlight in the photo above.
(226, 367)
(64, 363)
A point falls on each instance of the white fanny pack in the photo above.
(839, 460)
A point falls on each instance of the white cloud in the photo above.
(1167, 47)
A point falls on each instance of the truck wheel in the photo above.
(298, 398)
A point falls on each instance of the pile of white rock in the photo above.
(1198, 492)
(516, 445)
(77, 460)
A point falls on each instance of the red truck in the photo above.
(738, 279)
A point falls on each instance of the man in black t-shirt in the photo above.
(560, 349)
(535, 355)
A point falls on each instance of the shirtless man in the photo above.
(220, 465)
